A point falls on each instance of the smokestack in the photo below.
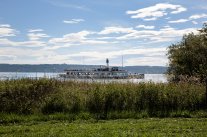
(107, 63)
(122, 60)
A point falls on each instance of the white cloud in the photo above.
(97, 56)
(73, 21)
(16, 55)
(166, 26)
(116, 29)
(68, 5)
(74, 39)
(156, 11)
(31, 43)
(195, 22)
(45, 50)
(6, 30)
(198, 16)
(38, 56)
(71, 37)
(7, 57)
(37, 36)
(22, 52)
(124, 34)
(114, 54)
(7, 42)
(35, 30)
(179, 21)
(178, 8)
(57, 58)
(57, 46)
(192, 17)
(5, 25)
(145, 51)
(145, 27)
(165, 34)
(145, 61)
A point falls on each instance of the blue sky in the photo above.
(89, 31)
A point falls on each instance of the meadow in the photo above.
(109, 128)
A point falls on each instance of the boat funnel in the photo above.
(107, 63)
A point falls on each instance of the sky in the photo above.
(89, 31)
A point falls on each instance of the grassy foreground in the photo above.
(67, 108)
(110, 128)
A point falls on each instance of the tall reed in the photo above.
(101, 100)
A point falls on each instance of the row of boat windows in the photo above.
(72, 73)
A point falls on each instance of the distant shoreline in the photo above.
(61, 67)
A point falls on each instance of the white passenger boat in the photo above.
(103, 72)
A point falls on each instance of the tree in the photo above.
(189, 56)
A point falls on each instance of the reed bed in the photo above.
(101, 101)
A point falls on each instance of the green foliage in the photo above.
(100, 101)
(24, 96)
(54, 105)
(188, 58)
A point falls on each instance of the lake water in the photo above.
(157, 78)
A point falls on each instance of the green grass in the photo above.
(109, 128)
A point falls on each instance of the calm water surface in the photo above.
(157, 78)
